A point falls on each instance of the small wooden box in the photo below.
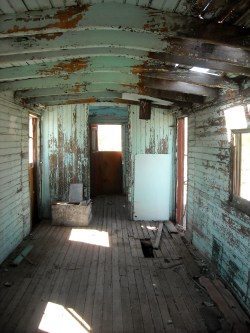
(71, 215)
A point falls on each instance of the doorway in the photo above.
(33, 168)
(182, 154)
(106, 159)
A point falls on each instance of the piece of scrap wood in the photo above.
(232, 302)
(158, 236)
(171, 228)
(22, 255)
(219, 300)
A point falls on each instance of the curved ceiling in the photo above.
(120, 52)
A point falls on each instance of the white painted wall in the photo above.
(14, 177)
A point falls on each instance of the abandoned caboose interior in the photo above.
(124, 166)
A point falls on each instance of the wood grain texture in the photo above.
(113, 289)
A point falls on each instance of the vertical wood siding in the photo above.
(154, 136)
(218, 230)
(65, 152)
(14, 176)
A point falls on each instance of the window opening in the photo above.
(237, 120)
(241, 164)
(31, 140)
(109, 138)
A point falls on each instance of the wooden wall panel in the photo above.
(65, 152)
(219, 231)
(14, 178)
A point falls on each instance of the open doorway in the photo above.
(33, 168)
(182, 154)
(106, 159)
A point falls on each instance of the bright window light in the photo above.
(245, 166)
(109, 138)
(57, 318)
(199, 69)
(235, 119)
(90, 236)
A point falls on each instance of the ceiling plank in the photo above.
(161, 59)
(79, 89)
(72, 79)
(113, 64)
(126, 40)
(72, 99)
(76, 39)
(100, 16)
(66, 67)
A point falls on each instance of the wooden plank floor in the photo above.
(97, 279)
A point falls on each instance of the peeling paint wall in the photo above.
(65, 152)
(154, 136)
(14, 176)
(219, 231)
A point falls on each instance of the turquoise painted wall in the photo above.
(14, 176)
(65, 152)
(219, 231)
(154, 136)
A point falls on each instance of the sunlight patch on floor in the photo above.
(90, 236)
(58, 319)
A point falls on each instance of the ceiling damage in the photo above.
(67, 52)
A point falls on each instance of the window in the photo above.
(237, 120)
(241, 170)
(109, 138)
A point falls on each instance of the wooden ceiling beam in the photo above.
(173, 96)
(203, 79)
(177, 86)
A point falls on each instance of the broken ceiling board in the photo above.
(233, 55)
(208, 80)
(199, 61)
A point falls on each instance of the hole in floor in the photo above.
(147, 248)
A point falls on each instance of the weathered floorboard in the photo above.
(102, 287)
